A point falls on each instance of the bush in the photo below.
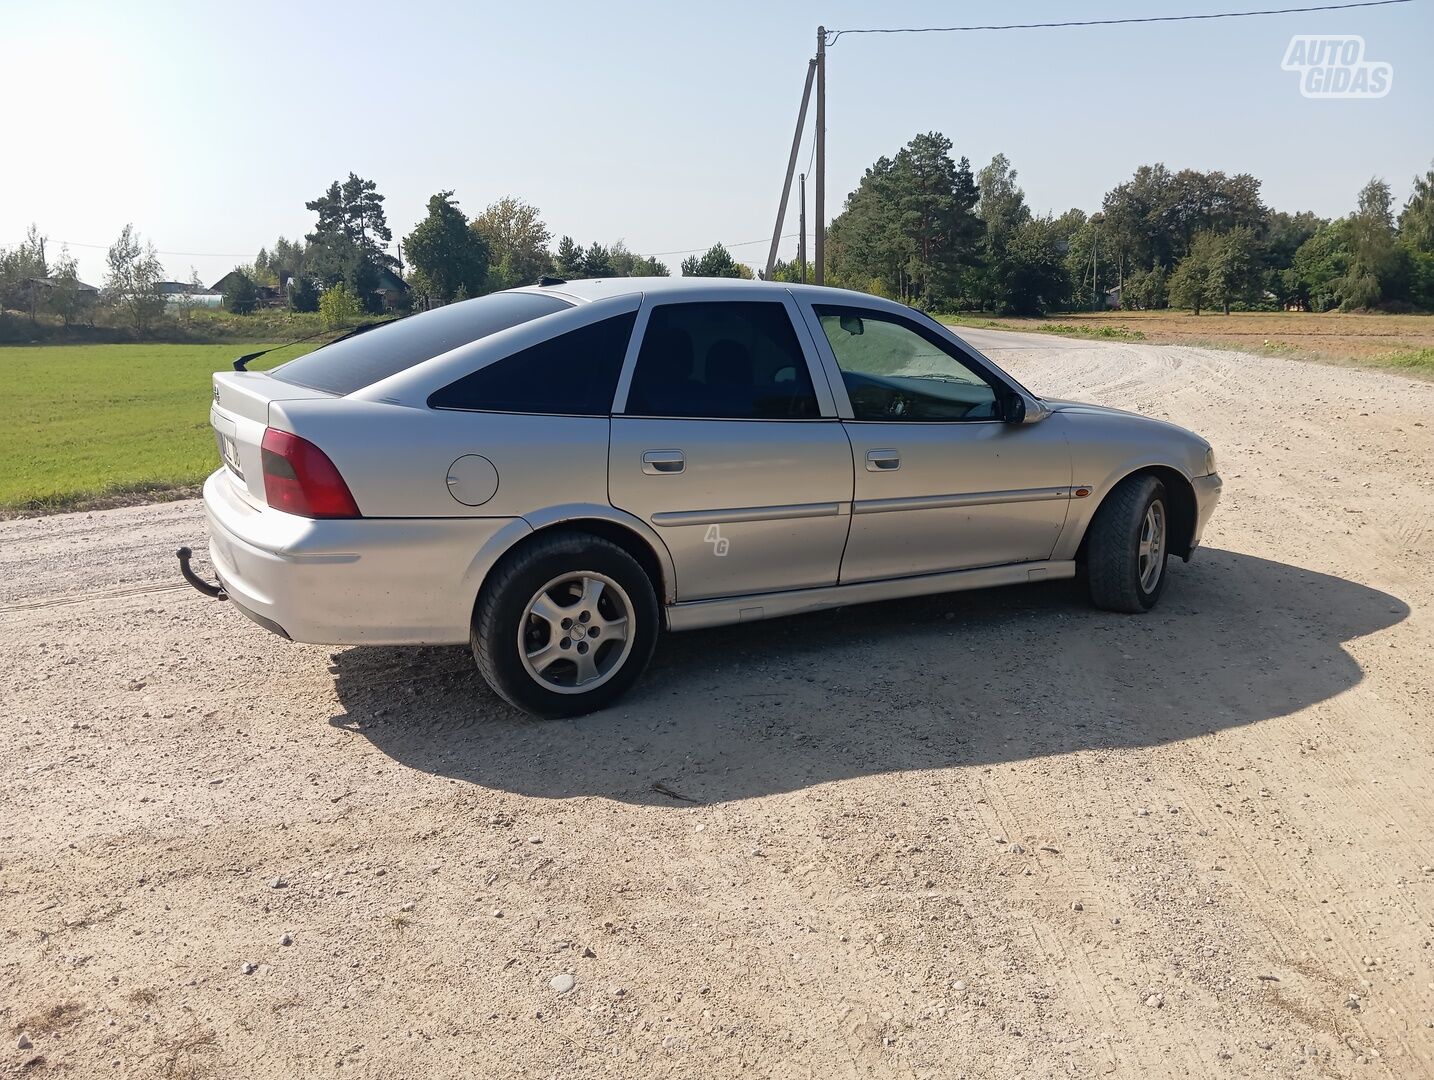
(339, 307)
(303, 295)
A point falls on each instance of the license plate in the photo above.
(229, 451)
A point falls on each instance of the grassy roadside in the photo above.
(1044, 326)
(1401, 343)
(101, 425)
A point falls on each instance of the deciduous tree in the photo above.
(448, 258)
(132, 280)
(517, 242)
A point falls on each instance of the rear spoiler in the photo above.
(241, 364)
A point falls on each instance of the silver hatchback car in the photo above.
(554, 474)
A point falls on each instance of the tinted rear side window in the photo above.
(728, 360)
(572, 374)
(352, 364)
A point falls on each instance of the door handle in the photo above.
(658, 462)
(882, 460)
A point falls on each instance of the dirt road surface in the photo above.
(989, 835)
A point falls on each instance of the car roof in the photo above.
(591, 289)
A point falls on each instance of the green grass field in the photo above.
(80, 422)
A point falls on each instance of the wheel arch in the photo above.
(629, 533)
(1184, 510)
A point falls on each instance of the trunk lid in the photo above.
(239, 415)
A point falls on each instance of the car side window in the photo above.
(726, 360)
(573, 374)
(895, 371)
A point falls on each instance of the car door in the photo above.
(725, 439)
(941, 482)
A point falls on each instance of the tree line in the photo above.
(447, 257)
(347, 266)
(923, 228)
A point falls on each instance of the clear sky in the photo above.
(664, 124)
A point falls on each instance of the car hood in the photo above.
(1062, 405)
(1085, 408)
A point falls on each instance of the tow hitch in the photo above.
(216, 591)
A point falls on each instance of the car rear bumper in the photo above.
(368, 581)
(1207, 497)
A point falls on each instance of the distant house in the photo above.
(32, 292)
(392, 288)
(1112, 297)
(268, 295)
(182, 293)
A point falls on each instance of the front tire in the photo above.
(565, 625)
(1128, 545)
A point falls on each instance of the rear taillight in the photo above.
(300, 479)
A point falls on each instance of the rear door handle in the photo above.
(882, 460)
(657, 462)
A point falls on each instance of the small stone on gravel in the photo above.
(286, 940)
(1155, 1001)
(562, 983)
(23, 1042)
(247, 968)
(278, 883)
(1076, 905)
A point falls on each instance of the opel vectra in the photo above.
(557, 473)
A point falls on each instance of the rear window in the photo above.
(573, 374)
(352, 364)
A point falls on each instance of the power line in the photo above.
(186, 254)
(832, 35)
(689, 251)
(248, 255)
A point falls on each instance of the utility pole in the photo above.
(1094, 267)
(791, 168)
(1097, 220)
(820, 247)
(802, 227)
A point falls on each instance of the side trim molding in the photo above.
(972, 498)
(673, 518)
(700, 614)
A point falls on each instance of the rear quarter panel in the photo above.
(396, 458)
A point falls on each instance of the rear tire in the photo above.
(565, 625)
(1128, 545)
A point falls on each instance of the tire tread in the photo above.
(1111, 560)
(488, 635)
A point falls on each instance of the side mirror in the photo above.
(1013, 409)
(853, 325)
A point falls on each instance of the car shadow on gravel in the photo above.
(958, 680)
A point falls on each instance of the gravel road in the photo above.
(997, 834)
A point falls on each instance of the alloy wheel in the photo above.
(576, 632)
(1152, 547)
